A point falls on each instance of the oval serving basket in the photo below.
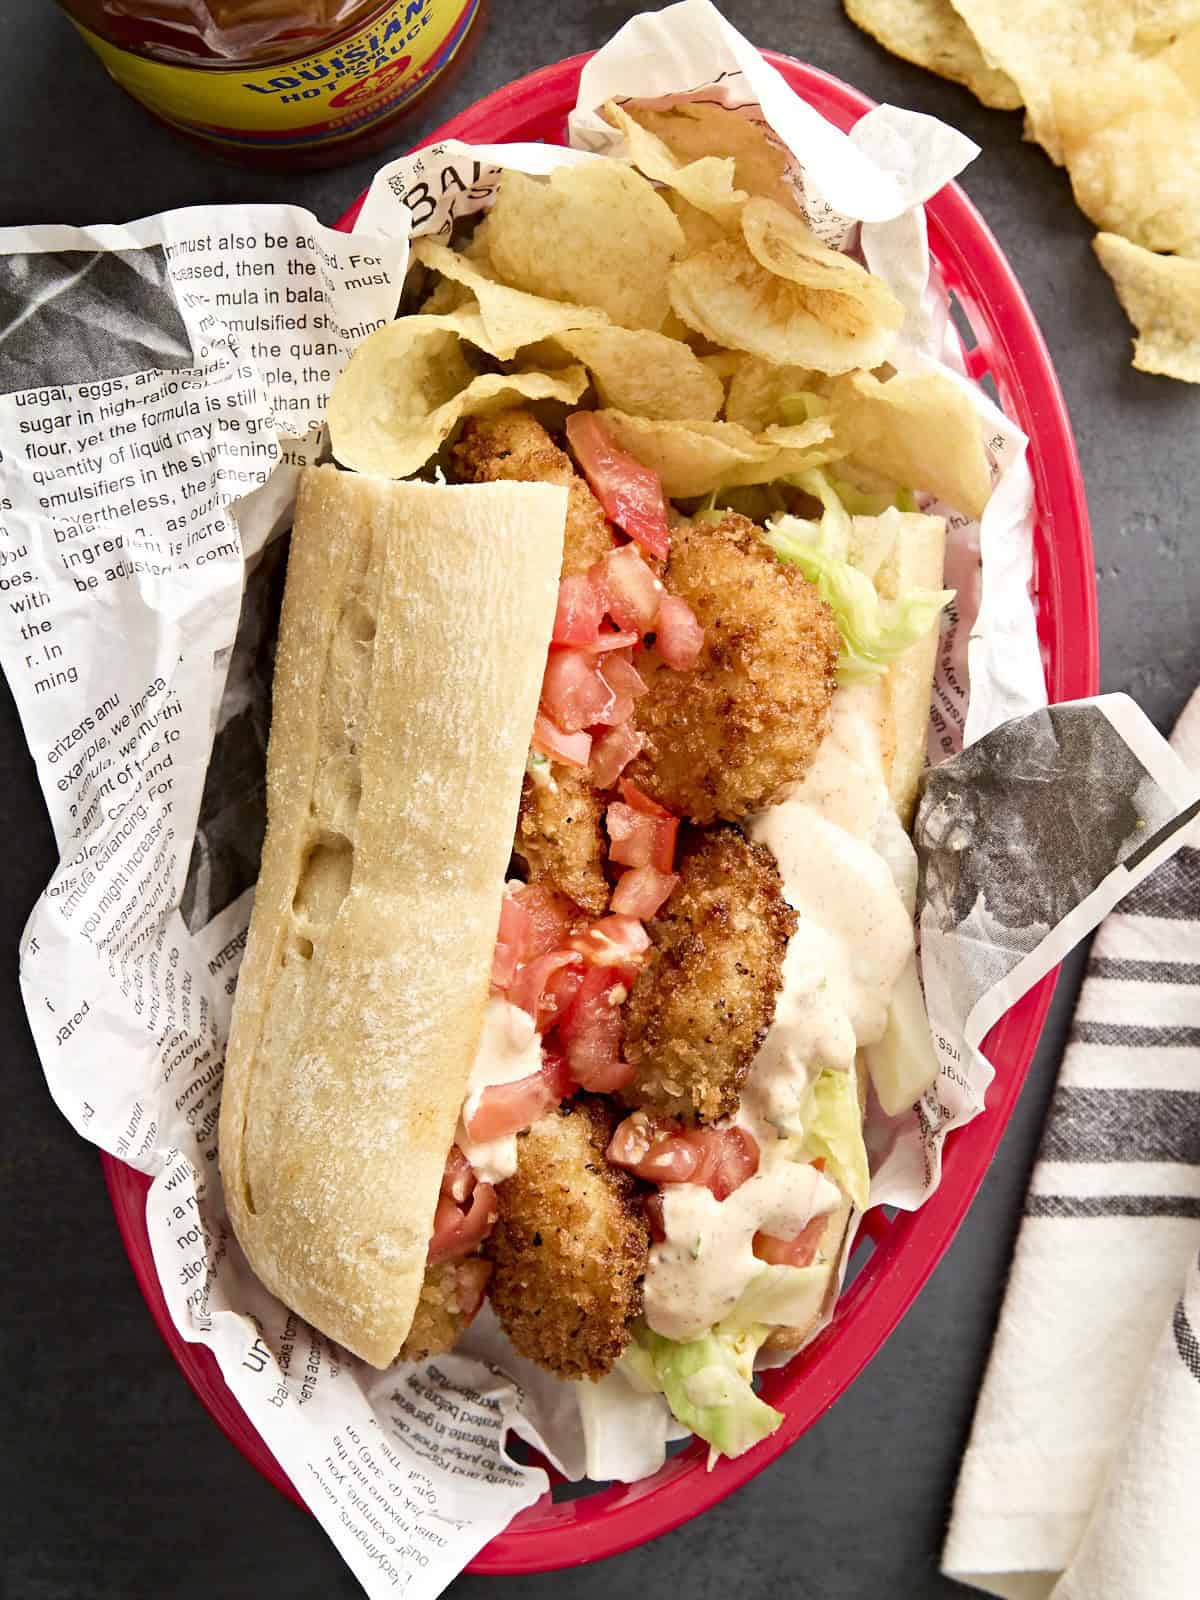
(894, 1256)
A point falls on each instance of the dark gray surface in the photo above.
(113, 1481)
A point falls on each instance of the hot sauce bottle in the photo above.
(279, 83)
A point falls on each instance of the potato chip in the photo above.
(692, 130)
(795, 449)
(597, 235)
(707, 184)
(1039, 41)
(930, 33)
(920, 430)
(510, 317)
(408, 383)
(646, 373)
(444, 297)
(1160, 21)
(757, 389)
(694, 458)
(783, 296)
(699, 229)
(1161, 297)
(1130, 137)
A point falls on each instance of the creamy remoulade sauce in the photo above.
(849, 870)
(509, 1048)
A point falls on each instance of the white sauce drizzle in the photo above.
(509, 1049)
(849, 870)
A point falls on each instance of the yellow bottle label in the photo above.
(331, 94)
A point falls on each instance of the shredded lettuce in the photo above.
(802, 406)
(875, 632)
(708, 1383)
(833, 1130)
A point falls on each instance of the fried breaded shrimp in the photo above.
(560, 837)
(441, 1316)
(514, 445)
(705, 997)
(723, 736)
(569, 1249)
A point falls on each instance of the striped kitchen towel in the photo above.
(1082, 1476)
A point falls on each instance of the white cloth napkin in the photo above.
(1082, 1476)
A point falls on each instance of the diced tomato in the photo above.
(470, 1285)
(604, 642)
(640, 801)
(574, 693)
(590, 1032)
(728, 1156)
(511, 940)
(641, 891)
(632, 589)
(631, 495)
(457, 1230)
(638, 840)
(511, 1107)
(659, 1152)
(620, 708)
(663, 1151)
(612, 942)
(530, 989)
(798, 1252)
(623, 677)
(679, 637)
(558, 993)
(654, 1216)
(582, 603)
(459, 1177)
(550, 918)
(573, 748)
(612, 753)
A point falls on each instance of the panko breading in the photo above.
(569, 1249)
(705, 997)
(560, 836)
(513, 445)
(438, 1320)
(723, 736)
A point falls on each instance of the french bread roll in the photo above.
(415, 626)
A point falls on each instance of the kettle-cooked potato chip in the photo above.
(1130, 134)
(699, 229)
(597, 235)
(780, 294)
(511, 318)
(918, 429)
(1161, 297)
(694, 458)
(692, 130)
(757, 389)
(646, 373)
(706, 184)
(930, 33)
(408, 383)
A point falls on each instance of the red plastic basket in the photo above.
(904, 1250)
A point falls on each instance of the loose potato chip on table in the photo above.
(597, 235)
(1161, 297)
(409, 382)
(1130, 135)
(511, 318)
(646, 373)
(920, 430)
(930, 33)
(780, 294)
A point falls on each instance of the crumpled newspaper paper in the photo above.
(161, 384)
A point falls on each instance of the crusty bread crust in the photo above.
(411, 649)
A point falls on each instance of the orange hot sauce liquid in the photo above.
(285, 84)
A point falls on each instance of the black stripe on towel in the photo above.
(1123, 1125)
(1186, 1342)
(1144, 971)
(1113, 1205)
(1132, 1034)
(1172, 890)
